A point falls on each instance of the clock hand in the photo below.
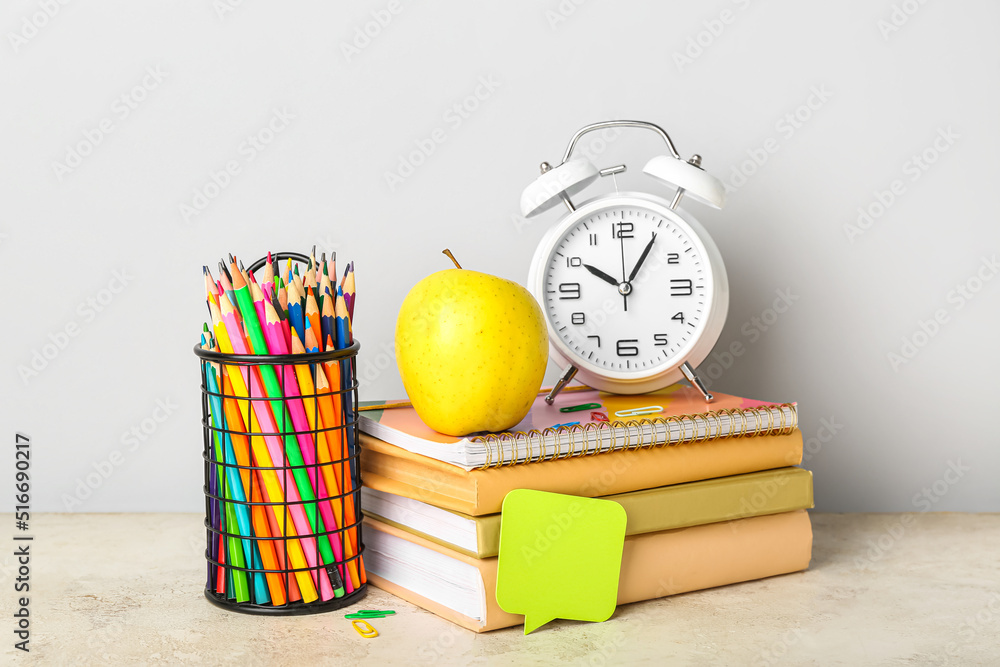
(625, 287)
(601, 274)
(642, 258)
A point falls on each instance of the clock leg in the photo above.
(695, 381)
(567, 375)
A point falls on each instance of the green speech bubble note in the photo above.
(560, 557)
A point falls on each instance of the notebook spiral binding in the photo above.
(600, 437)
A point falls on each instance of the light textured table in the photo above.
(882, 589)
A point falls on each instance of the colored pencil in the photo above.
(307, 445)
(331, 482)
(349, 290)
(332, 417)
(296, 313)
(261, 526)
(327, 318)
(234, 548)
(312, 310)
(235, 491)
(273, 389)
(294, 519)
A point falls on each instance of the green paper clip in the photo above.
(580, 408)
(370, 613)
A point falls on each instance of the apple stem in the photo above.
(452, 257)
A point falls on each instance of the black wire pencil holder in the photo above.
(282, 480)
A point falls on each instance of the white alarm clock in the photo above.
(633, 288)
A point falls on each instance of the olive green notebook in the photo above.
(648, 511)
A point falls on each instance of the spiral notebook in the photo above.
(547, 433)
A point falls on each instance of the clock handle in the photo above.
(567, 376)
(621, 123)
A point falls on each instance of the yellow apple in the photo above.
(471, 350)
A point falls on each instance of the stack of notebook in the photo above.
(712, 496)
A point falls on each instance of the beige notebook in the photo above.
(395, 470)
(648, 511)
(462, 589)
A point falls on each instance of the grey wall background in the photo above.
(847, 97)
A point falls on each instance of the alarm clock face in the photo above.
(629, 289)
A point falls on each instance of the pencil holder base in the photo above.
(290, 609)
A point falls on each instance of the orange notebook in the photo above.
(546, 433)
(475, 492)
(462, 589)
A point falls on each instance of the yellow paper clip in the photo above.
(638, 412)
(365, 629)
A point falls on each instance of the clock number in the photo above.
(598, 340)
(578, 318)
(622, 230)
(570, 291)
(681, 287)
(593, 239)
(679, 317)
(661, 339)
(573, 261)
(674, 258)
(625, 349)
